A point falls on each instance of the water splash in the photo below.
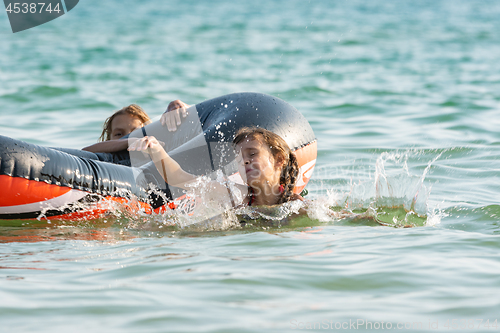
(391, 195)
(269, 216)
(401, 187)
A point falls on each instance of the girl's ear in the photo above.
(279, 162)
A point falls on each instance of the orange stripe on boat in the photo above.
(20, 191)
(305, 155)
(102, 208)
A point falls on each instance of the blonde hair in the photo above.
(133, 110)
(279, 148)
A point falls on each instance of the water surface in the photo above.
(406, 90)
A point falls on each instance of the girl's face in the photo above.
(257, 165)
(124, 124)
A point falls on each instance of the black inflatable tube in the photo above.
(108, 174)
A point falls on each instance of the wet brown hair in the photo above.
(133, 110)
(279, 148)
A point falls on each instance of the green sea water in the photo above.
(404, 99)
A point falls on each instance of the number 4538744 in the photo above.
(32, 8)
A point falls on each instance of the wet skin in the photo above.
(257, 165)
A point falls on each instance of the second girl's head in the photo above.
(267, 157)
(123, 122)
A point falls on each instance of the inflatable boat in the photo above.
(59, 183)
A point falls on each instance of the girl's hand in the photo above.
(172, 117)
(297, 197)
(147, 144)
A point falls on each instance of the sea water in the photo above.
(404, 99)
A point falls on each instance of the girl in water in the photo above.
(266, 164)
(128, 119)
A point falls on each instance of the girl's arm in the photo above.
(168, 168)
(174, 175)
(110, 146)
